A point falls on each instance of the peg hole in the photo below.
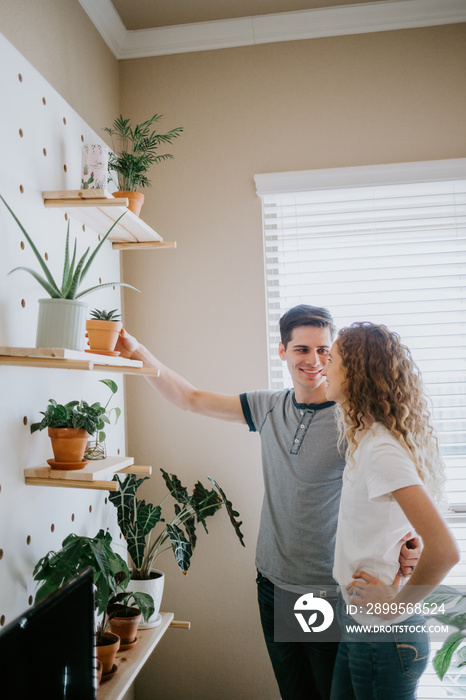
(23, 303)
(25, 420)
(21, 133)
(44, 101)
(20, 77)
(21, 189)
(28, 540)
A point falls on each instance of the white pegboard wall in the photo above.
(42, 140)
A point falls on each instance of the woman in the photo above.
(392, 474)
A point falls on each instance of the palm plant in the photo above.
(137, 519)
(137, 151)
(74, 270)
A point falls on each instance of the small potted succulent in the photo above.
(96, 447)
(69, 427)
(62, 316)
(103, 329)
(135, 150)
(111, 577)
(138, 523)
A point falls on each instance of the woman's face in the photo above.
(335, 375)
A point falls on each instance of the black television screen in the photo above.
(49, 649)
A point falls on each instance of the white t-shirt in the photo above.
(371, 524)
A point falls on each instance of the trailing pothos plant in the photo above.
(452, 604)
(138, 520)
(111, 575)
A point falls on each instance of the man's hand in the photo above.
(126, 344)
(409, 554)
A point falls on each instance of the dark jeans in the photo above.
(384, 666)
(303, 669)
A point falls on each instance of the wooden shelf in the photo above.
(98, 209)
(131, 661)
(93, 476)
(62, 358)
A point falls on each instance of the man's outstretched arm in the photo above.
(178, 390)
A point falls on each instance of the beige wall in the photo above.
(61, 42)
(353, 100)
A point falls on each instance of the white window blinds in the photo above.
(387, 253)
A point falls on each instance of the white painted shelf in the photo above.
(62, 358)
(96, 474)
(130, 662)
(98, 209)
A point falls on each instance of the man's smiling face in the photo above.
(306, 354)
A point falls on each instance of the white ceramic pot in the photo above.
(61, 324)
(153, 586)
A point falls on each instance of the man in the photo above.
(302, 475)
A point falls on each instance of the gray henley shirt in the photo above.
(302, 469)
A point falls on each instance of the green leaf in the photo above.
(442, 658)
(177, 490)
(102, 286)
(31, 243)
(233, 514)
(181, 547)
(50, 289)
(113, 386)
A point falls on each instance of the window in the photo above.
(385, 244)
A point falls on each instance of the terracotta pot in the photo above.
(106, 652)
(68, 444)
(126, 627)
(103, 335)
(136, 200)
(153, 586)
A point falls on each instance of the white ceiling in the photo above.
(142, 28)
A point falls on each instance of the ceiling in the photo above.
(143, 28)
(145, 14)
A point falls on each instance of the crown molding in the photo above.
(385, 15)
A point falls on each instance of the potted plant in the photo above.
(95, 448)
(62, 317)
(136, 151)
(103, 329)
(69, 427)
(124, 614)
(448, 606)
(138, 521)
(111, 577)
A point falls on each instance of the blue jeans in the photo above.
(367, 668)
(303, 670)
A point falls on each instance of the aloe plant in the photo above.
(137, 152)
(74, 270)
(138, 519)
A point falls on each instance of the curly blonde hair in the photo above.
(383, 384)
